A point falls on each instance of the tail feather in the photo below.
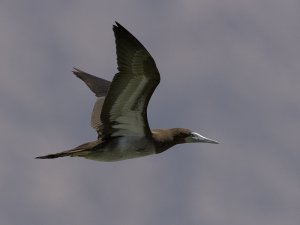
(80, 151)
(55, 155)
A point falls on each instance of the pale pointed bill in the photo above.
(195, 137)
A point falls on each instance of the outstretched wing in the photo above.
(124, 112)
(97, 85)
(100, 87)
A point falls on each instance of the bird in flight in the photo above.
(120, 112)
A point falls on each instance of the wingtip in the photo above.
(118, 26)
(76, 71)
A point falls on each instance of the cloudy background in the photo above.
(230, 70)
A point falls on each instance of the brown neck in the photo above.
(167, 138)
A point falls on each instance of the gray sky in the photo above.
(230, 71)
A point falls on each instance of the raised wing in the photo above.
(100, 87)
(97, 85)
(124, 112)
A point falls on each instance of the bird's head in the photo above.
(167, 138)
(182, 135)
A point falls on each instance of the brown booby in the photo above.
(120, 112)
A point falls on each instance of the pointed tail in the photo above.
(81, 151)
(55, 155)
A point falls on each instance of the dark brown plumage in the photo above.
(120, 112)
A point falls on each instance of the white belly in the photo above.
(123, 148)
